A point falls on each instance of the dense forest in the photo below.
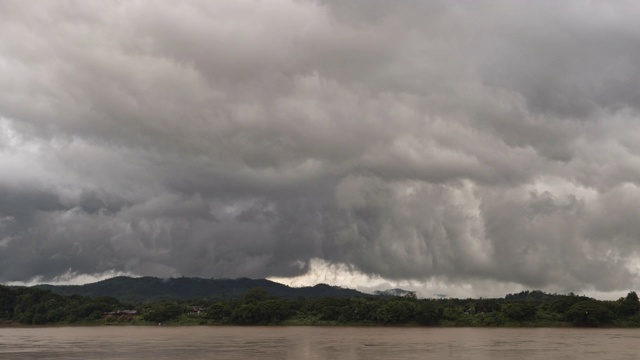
(34, 306)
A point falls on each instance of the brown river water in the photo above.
(335, 343)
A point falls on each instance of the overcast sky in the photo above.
(470, 147)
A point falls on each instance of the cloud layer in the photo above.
(489, 142)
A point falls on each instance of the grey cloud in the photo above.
(570, 59)
(484, 141)
(21, 203)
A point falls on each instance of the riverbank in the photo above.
(299, 323)
(31, 306)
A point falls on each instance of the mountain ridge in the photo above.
(139, 289)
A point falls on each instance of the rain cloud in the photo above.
(474, 142)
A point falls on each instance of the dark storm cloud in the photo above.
(469, 141)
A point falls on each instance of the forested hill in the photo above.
(128, 289)
(193, 301)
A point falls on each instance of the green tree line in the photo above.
(256, 307)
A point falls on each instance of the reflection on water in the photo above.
(129, 342)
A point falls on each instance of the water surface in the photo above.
(133, 342)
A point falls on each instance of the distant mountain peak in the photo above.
(130, 289)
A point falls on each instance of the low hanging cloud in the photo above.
(480, 142)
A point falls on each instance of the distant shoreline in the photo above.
(327, 325)
(324, 306)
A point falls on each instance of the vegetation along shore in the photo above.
(322, 305)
